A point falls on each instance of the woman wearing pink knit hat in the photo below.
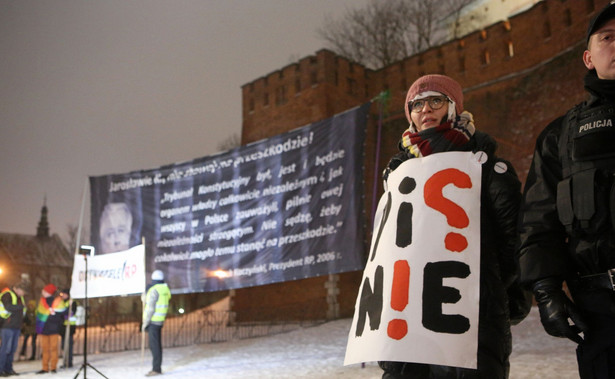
(438, 123)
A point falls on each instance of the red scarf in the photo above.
(448, 136)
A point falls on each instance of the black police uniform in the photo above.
(567, 227)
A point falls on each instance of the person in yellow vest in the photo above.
(70, 321)
(155, 311)
(12, 310)
(49, 317)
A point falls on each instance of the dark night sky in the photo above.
(89, 88)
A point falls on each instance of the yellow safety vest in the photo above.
(72, 320)
(3, 312)
(162, 305)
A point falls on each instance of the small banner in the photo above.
(419, 299)
(121, 273)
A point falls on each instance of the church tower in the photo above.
(42, 231)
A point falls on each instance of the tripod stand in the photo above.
(85, 250)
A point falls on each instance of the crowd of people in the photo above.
(53, 319)
(46, 320)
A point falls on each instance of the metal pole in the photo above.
(85, 324)
(381, 98)
(67, 332)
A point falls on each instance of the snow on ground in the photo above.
(315, 353)
(537, 355)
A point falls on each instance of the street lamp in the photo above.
(221, 274)
(87, 250)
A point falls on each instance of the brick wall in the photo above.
(517, 76)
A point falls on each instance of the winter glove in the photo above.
(555, 308)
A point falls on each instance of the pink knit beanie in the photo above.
(437, 83)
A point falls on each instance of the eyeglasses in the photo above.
(435, 102)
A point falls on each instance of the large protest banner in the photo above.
(284, 208)
(419, 299)
(113, 274)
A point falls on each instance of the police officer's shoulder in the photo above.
(554, 126)
(553, 130)
(548, 138)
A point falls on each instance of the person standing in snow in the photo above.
(438, 123)
(49, 318)
(155, 308)
(29, 330)
(70, 322)
(12, 311)
(568, 213)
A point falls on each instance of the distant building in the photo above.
(41, 258)
(483, 13)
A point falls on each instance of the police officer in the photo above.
(568, 213)
(155, 311)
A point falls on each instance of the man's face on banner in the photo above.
(115, 226)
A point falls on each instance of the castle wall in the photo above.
(517, 76)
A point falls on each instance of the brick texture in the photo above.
(517, 76)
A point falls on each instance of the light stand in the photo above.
(85, 250)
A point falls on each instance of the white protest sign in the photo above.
(121, 273)
(419, 299)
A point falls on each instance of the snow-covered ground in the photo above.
(315, 353)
